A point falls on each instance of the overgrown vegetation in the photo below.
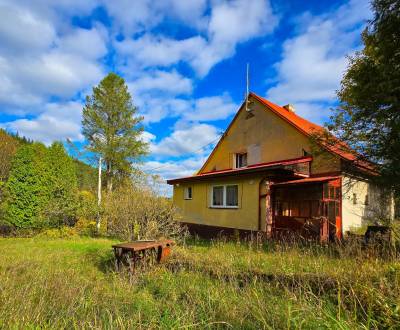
(70, 283)
(368, 116)
(132, 212)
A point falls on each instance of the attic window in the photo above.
(240, 160)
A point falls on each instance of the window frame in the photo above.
(240, 154)
(224, 196)
(186, 193)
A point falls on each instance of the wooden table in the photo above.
(130, 253)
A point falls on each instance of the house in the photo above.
(267, 173)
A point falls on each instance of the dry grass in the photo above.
(54, 283)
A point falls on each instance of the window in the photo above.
(240, 160)
(218, 196)
(232, 195)
(188, 193)
(366, 202)
(225, 196)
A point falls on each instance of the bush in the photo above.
(62, 232)
(133, 213)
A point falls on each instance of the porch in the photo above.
(309, 207)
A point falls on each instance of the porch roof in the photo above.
(307, 180)
(276, 165)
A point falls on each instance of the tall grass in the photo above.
(53, 283)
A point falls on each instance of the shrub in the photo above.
(133, 213)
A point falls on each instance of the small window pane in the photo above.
(188, 193)
(241, 160)
(232, 195)
(218, 196)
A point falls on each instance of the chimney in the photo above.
(289, 107)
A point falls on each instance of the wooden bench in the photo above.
(131, 253)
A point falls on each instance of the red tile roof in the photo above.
(310, 129)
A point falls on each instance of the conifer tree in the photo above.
(112, 128)
(63, 187)
(27, 189)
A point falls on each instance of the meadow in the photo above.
(71, 283)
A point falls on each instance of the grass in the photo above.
(70, 283)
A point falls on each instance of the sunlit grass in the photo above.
(54, 283)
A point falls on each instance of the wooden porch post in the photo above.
(268, 208)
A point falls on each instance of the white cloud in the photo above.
(229, 24)
(314, 61)
(21, 30)
(61, 66)
(151, 50)
(170, 170)
(211, 108)
(90, 44)
(157, 107)
(195, 139)
(133, 16)
(59, 121)
(147, 137)
(172, 83)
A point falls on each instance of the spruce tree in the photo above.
(112, 128)
(63, 187)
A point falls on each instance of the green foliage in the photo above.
(63, 187)
(112, 128)
(8, 148)
(368, 117)
(42, 188)
(27, 189)
(86, 176)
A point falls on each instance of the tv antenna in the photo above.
(248, 103)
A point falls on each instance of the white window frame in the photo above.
(224, 206)
(235, 158)
(186, 193)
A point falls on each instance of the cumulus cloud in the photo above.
(155, 108)
(157, 81)
(194, 139)
(59, 121)
(21, 30)
(211, 108)
(230, 23)
(171, 169)
(133, 16)
(37, 62)
(314, 61)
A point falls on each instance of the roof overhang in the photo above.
(307, 181)
(278, 168)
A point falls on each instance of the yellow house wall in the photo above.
(274, 137)
(198, 210)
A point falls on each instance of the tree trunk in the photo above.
(109, 177)
(99, 196)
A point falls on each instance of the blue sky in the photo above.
(184, 63)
